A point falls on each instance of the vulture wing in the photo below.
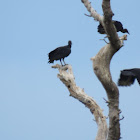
(128, 76)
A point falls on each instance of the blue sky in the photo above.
(34, 104)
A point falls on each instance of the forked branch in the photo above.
(101, 65)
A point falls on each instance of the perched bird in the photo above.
(60, 53)
(118, 25)
(128, 76)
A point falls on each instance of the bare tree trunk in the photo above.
(101, 66)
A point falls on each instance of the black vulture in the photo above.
(118, 25)
(60, 53)
(128, 76)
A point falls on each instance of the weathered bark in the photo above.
(91, 10)
(105, 20)
(67, 77)
(109, 26)
(106, 79)
(101, 65)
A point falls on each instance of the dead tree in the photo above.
(101, 67)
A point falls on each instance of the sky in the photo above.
(34, 103)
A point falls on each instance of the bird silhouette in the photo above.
(60, 53)
(118, 26)
(128, 76)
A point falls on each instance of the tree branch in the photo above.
(91, 10)
(101, 66)
(105, 20)
(106, 79)
(109, 26)
(67, 78)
